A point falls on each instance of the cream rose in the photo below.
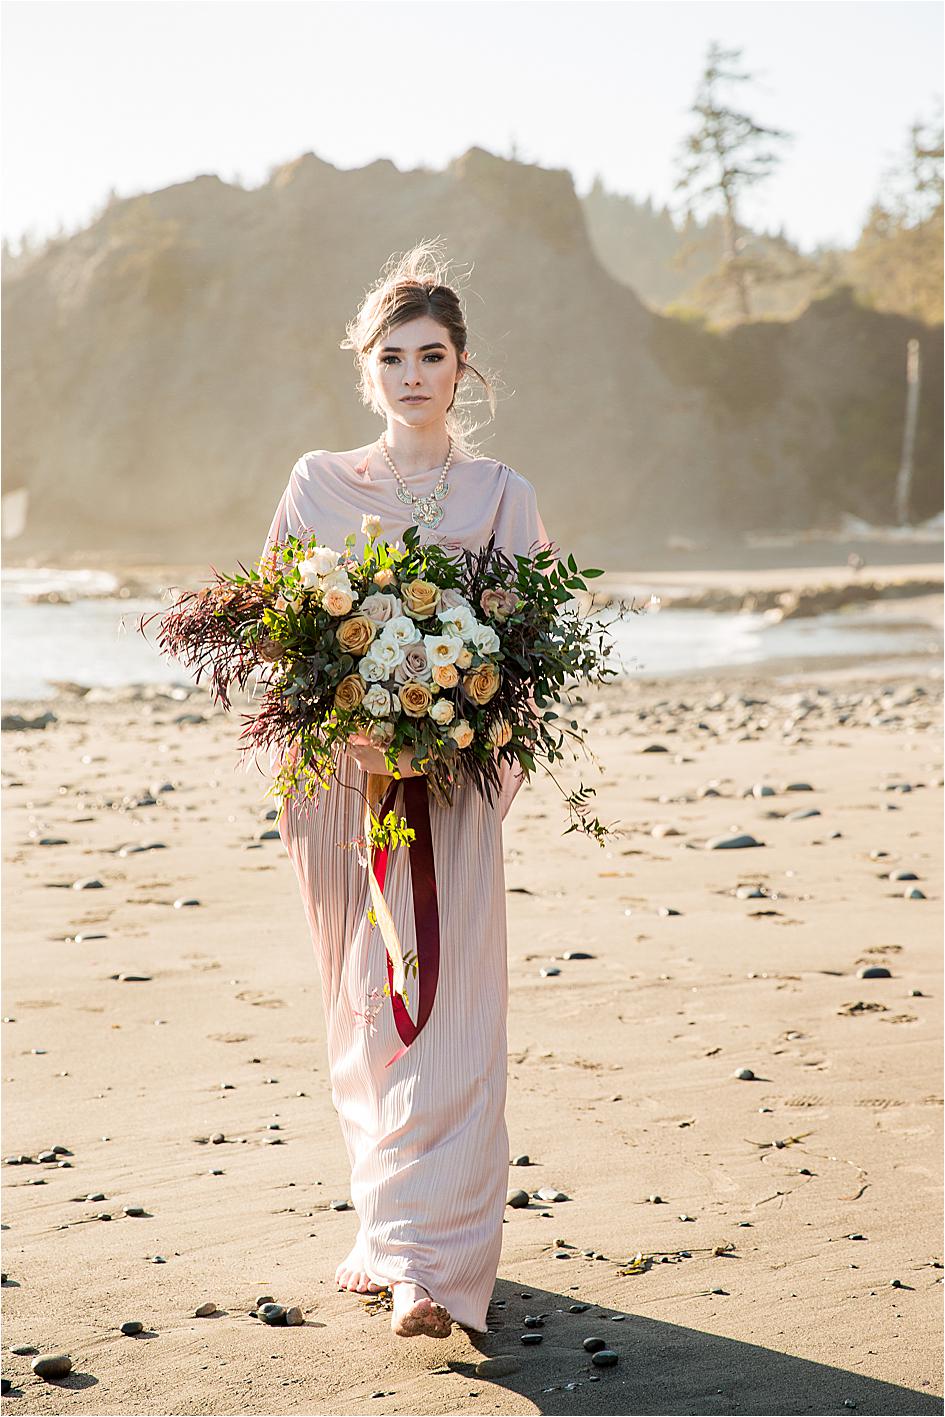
(464, 659)
(443, 711)
(350, 692)
(370, 525)
(337, 602)
(380, 608)
(421, 598)
(415, 698)
(462, 733)
(356, 634)
(446, 675)
(482, 683)
(377, 701)
(381, 733)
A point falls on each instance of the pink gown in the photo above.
(426, 1137)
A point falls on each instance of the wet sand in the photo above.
(622, 1070)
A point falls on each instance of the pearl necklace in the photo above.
(425, 509)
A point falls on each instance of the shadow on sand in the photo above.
(664, 1368)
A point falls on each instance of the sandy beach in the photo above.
(176, 1056)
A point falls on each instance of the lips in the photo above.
(423, 398)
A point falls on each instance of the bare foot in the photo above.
(350, 1275)
(416, 1313)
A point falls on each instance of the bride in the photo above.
(425, 1132)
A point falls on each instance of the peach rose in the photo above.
(462, 733)
(415, 698)
(421, 598)
(384, 576)
(482, 683)
(337, 601)
(350, 692)
(446, 675)
(356, 634)
(463, 659)
(499, 733)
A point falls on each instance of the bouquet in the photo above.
(459, 658)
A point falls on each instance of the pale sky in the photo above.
(138, 94)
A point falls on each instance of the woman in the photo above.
(426, 1136)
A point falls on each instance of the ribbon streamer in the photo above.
(381, 792)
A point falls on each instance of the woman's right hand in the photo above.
(372, 759)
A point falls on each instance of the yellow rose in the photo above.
(421, 598)
(415, 698)
(350, 692)
(446, 675)
(482, 683)
(356, 634)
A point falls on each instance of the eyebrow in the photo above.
(396, 349)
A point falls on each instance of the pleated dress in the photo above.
(426, 1135)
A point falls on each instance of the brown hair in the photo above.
(409, 286)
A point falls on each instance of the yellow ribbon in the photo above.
(376, 787)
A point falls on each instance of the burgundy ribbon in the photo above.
(426, 914)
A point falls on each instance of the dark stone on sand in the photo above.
(52, 1365)
(578, 1308)
(604, 1358)
(577, 954)
(518, 1200)
(534, 1321)
(803, 813)
(874, 971)
(88, 883)
(5, 1386)
(522, 1160)
(274, 1315)
(744, 1075)
(654, 748)
(731, 843)
(594, 1345)
(132, 1327)
(182, 904)
(135, 1210)
(903, 876)
(531, 1337)
(340, 1205)
(205, 1310)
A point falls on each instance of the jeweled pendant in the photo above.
(427, 511)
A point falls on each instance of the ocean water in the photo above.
(96, 642)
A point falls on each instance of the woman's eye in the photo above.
(388, 357)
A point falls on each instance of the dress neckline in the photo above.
(360, 471)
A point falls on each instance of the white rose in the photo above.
(459, 621)
(462, 732)
(443, 649)
(322, 559)
(442, 711)
(400, 630)
(485, 639)
(388, 654)
(370, 525)
(308, 570)
(377, 700)
(337, 580)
